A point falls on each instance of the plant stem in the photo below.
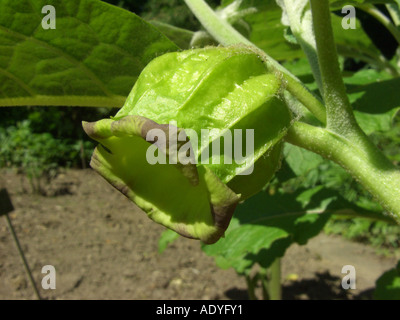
(225, 34)
(264, 286)
(340, 117)
(394, 12)
(373, 11)
(251, 287)
(220, 29)
(359, 157)
(306, 98)
(274, 285)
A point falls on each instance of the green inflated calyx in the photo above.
(200, 131)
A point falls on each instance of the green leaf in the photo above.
(365, 77)
(355, 43)
(300, 160)
(375, 104)
(264, 226)
(388, 285)
(351, 43)
(92, 58)
(267, 31)
(181, 37)
(167, 237)
(394, 11)
(262, 220)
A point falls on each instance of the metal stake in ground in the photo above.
(6, 207)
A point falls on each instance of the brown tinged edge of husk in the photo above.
(89, 128)
(221, 214)
(188, 170)
(145, 125)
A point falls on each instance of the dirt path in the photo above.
(103, 247)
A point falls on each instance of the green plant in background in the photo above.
(284, 55)
(53, 136)
(39, 141)
(37, 154)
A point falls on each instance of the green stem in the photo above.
(225, 34)
(274, 285)
(373, 11)
(302, 94)
(394, 12)
(264, 286)
(340, 117)
(359, 157)
(251, 287)
(220, 29)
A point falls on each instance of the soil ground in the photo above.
(103, 247)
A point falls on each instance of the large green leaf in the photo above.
(265, 226)
(92, 58)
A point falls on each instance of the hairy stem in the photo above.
(359, 157)
(312, 103)
(220, 29)
(340, 117)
